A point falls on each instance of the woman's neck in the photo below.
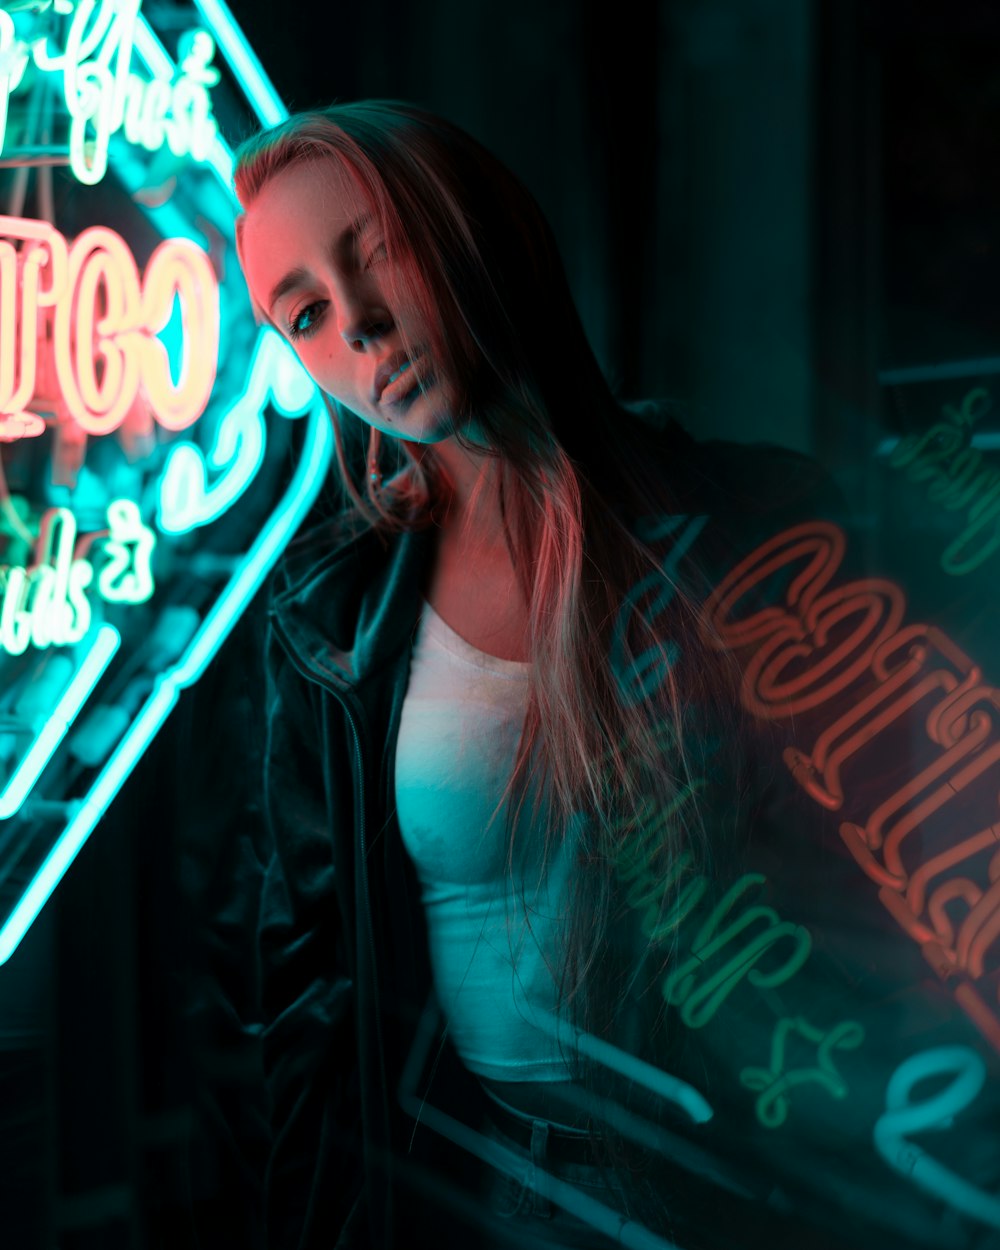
(469, 514)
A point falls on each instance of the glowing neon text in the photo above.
(943, 456)
(904, 1116)
(827, 640)
(96, 344)
(191, 495)
(102, 94)
(46, 604)
(775, 1081)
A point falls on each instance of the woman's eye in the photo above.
(304, 321)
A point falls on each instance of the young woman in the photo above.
(474, 706)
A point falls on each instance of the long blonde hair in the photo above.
(577, 467)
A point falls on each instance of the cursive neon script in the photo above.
(942, 455)
(102, 94)
(776, 1081)
(904, 1116)
(698, 989)
(827, 640)
(96, 346)
(195, 488)
(46, 604)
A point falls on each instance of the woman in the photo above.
(473, 705)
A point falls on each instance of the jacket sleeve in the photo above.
(313, 1174)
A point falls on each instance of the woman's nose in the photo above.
(359, 331)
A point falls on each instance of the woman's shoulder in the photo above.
(318, 543)
(726, 478)
(326, 537)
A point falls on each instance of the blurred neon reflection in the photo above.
(59, 720)
(187, 496)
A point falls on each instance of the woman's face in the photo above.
(316, 263)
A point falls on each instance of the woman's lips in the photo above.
(398, 384)
(386, 368)
(402, 386)
(390, 366)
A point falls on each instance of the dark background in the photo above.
(783, 213)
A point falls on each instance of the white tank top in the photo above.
(461, 721)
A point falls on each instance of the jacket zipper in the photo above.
(305, 669)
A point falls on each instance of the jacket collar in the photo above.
(347, 599)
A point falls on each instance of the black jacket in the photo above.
(345, 970)
(359, 1078)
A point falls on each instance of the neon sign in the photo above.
(904, 1116)
(776, 1081)
(694, 986)
(87, 341)
(957, 485)
(698, 990)
(800, 662)
(47, 605)
(103, 96)
(825, 640)
(189, 494)
(98, 327)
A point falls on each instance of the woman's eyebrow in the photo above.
(299, 276)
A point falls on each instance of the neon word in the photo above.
(776, 1081)
(692, 985)
(46, 605)
(127, 576)
(97, 344)
(102, 100)
(700, 996)
(904, 1117)
(803, 656)
(699, 992)
(958, 485)
(698, 1000)
(188, 496)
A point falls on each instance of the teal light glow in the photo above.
(293, 392)
(310, 471)
(628, 1233)
(59, 720)
(984, 366)
(167, 220)
(243, 61)
(903, 1116)
(159, 62)
(662, 1084)
(187, 497)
